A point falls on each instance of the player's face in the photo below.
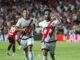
(25, 13)
(47, 15)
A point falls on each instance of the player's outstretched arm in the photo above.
(37, 23)
(20, 29)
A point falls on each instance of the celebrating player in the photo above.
(27, 35)
(48, 33)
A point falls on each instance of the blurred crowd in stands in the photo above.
(68, 10)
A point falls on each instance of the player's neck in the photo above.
(48, 20)
(26, 18)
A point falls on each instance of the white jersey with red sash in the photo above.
(12, 31)
(27, 24)
(48, 30)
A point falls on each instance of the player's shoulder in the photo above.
(20, 19)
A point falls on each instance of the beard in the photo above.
(48, 19)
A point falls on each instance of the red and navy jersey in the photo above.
(12, 31)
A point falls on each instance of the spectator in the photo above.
(69, 11)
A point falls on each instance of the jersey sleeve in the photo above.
(18, 24)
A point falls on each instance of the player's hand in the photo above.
(39, 20)
(57, 18)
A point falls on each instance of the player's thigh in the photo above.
(24, 44)
(30, 42)
(12, 40)
(45, 46)
(52, 47)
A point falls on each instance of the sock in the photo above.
(13, 49)
(45, 58)
(9, 47)
(30, 55)
(26, 55)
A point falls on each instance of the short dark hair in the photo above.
(47, 10)
(25, 9)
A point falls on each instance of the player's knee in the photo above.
(26, 50)
(30, 48)
(45, 52)
(52, 55)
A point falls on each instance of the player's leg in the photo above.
(52, 50)
(45, 50)
(30, 42)
(30, 54)
(26, 53)
(13, 44)
(9, 47)
(27, 46)
(45, 54)
(18, 41)
(52, 56)
(24, 46)
(13, 48)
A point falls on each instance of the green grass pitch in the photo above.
(64, 51)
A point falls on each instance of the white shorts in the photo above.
(49, 46)
(26, 43)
